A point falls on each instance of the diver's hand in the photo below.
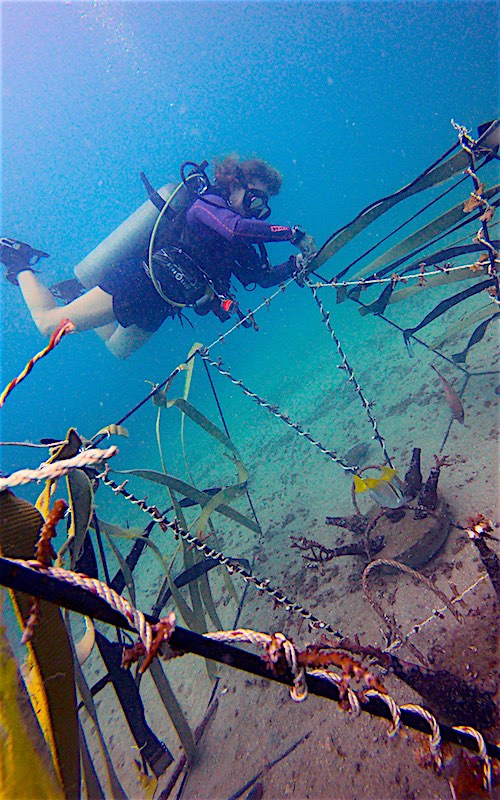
(307, 247)
(304, 242)
(299, 272)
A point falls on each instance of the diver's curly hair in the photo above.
(226, 172)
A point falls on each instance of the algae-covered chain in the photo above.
(273, 409)
(468, 144)
(224, 561)
(357, 388)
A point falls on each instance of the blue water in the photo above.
(348, 100)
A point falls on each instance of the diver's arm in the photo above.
(215, 214)
(250, 269)
(276, 274)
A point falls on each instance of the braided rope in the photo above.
(273, 409)
(274, 645)
(56, 469)
(64, 327)
(102, 590)
(482, 753)
(393, 709)
(332, 677)
(367, 405)
(435, 741)
(231, 566)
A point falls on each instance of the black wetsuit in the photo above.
(221, 242)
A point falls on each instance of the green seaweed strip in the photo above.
(158, 439)
(229, 493)
(423, 235)
(191, 492)
(439, 174)
(123, 533)
(182, 606)
(190, 558)
(204, 423)
(220, 499)
(81, 499)
(93, 788)
(199, 624)
(173, 708)
(114, 785)
(187, 387)
(127, 573)
(228, 582)
(208, 601)
(205, 588)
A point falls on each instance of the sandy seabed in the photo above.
(294, 487)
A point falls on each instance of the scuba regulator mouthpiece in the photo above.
(255, 201)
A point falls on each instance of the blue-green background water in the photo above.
(348, 100)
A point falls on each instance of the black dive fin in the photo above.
(16, 253)
(442, 307)
(67, 291)
(380, 304)
(459, 358)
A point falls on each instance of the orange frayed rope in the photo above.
(64, 327)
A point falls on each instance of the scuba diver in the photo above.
(202, 238)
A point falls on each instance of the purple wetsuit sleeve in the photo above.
(232, 226)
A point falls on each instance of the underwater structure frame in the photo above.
(46, 749)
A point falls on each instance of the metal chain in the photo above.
(273, 409)
(231, 565)
(367, 404)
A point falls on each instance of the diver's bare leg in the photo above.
(92, 310)
(105, 332)
(126, 341)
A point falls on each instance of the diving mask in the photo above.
(255, 201)
(255, 204)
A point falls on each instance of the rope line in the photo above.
(367, 404)
(273, 409)
(333, 284)
(57, 469)
(64, 327)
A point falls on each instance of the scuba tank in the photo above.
(178, 279)
(130, 239)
